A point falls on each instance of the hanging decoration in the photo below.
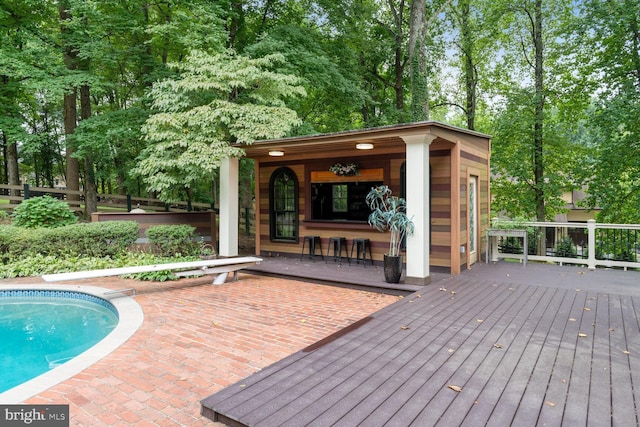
(345, 169)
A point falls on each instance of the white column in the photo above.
(418, 196)
(229, 207)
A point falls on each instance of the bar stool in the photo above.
(313, 240)
(338, 243)
(361, 246)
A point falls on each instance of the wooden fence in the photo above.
(17, 193)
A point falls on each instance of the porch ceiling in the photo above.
(386, 140)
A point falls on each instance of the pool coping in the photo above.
(130, 316)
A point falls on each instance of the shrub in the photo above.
(37, 265)
(4, 217)
(44, 211)
(98, 239)
(174, 240)
(566, 248)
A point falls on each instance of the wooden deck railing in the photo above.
(592, 244)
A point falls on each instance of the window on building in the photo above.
(343, 201)
(283, 220)
(340, 198)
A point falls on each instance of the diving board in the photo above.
(222, 267)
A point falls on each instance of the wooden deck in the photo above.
(353, 275)
(500, 344)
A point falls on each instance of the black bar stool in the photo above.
(313, 240)
(338, 243)
(361, 246)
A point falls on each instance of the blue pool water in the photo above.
(42, 329)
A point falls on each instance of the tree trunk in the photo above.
(398, 21)
(538, 137)
(470, 74)
(418, 61)
(90, 187)
(13, 173)
(234, 21)
(5, 165)
(72, 177)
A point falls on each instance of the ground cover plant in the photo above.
(42, 242)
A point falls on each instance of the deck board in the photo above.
(622, 392)
(534, 396)
(513, 348)
(402, 361)
(631, 315)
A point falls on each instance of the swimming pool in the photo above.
(42, 329)
(63, 341)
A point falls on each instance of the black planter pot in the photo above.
(392, 268)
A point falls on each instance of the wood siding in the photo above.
(449, 219)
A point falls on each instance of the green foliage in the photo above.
(44, 211)
(389, 213)
(218, 100)
(611, 132)
(613, 177)
(353, 60)
(96, 239)
(77, 247)
(513, 183)
(618, 245)
(333, 90)
(36, 265)
(174, 240)
(565, 248)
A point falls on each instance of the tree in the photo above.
(70, 53)
(538, 104)
(217, 101)
(612, 132)
(422, 16)
(23, 61)
(476, 32)
(333, 93)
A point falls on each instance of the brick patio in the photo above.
(197, 339)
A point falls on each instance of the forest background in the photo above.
(145, 97)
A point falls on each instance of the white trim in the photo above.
(229, 212)
(418, 196)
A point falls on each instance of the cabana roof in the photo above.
(385, 138)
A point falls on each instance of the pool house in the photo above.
(310, 191)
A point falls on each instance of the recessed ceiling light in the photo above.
(364, 146)
(276, 153)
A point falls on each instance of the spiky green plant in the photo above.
(389, 213)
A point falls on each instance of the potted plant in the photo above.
(388, 213)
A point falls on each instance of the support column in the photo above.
(418, 196)
(229, 221)
(591, 242)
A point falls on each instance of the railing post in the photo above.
(128, 202)
(591, 242)
(25, 192)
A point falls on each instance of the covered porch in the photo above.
(442, 171)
